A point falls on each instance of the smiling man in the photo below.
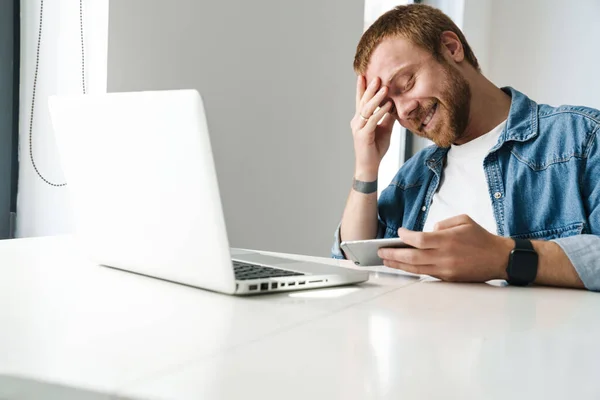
(510, 188)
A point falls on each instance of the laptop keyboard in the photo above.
(244, 271)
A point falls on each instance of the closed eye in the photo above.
(400, 88)
(409, 84)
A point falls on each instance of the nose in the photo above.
(405, 108)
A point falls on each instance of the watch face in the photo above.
(523, 265)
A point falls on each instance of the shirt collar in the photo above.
(522, 122)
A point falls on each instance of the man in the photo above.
(506, 179)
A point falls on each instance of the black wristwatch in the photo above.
(522, 263)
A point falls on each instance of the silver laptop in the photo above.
(142, 182)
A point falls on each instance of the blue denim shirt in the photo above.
(542, 176)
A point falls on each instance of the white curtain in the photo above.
(63, 62)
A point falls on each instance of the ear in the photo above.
(452, 47)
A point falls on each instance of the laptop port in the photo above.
(274, 285)
(264, 286)
(292, 284)
(252, 287)
(301, 283)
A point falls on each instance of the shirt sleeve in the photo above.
(336, 250)
(584, 252)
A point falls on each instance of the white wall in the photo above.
(43, 209)
(547, 49)
(277, 81)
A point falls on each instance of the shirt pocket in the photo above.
(554, 233)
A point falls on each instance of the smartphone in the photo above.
(364, 252)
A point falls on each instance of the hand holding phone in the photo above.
(364, 252)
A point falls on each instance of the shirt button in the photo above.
(423, 208)
(497, 195)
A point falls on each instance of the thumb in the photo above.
(452, 222)
(416, 239)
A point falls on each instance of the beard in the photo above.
(456, 102)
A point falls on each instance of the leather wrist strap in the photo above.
(364, 187)
(523, 244)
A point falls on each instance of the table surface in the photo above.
(66, 324)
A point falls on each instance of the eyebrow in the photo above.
(399, 71)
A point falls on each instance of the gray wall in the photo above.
(6, 113)
(277, 82)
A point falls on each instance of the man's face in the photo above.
(431, 98)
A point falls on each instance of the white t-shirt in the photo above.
(464, 188)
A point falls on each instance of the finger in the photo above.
(357, 123)
(369, 108)
(452, 222)
(360, 90)
(368, 94)
(387, 123)
(421, 240)
(362, 121)
(375, 118)
(413, 269)
(408, 256)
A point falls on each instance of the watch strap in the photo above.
(523, 244)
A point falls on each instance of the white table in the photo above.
(103, 332)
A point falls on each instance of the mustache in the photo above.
(419, 114)
(422, 111)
